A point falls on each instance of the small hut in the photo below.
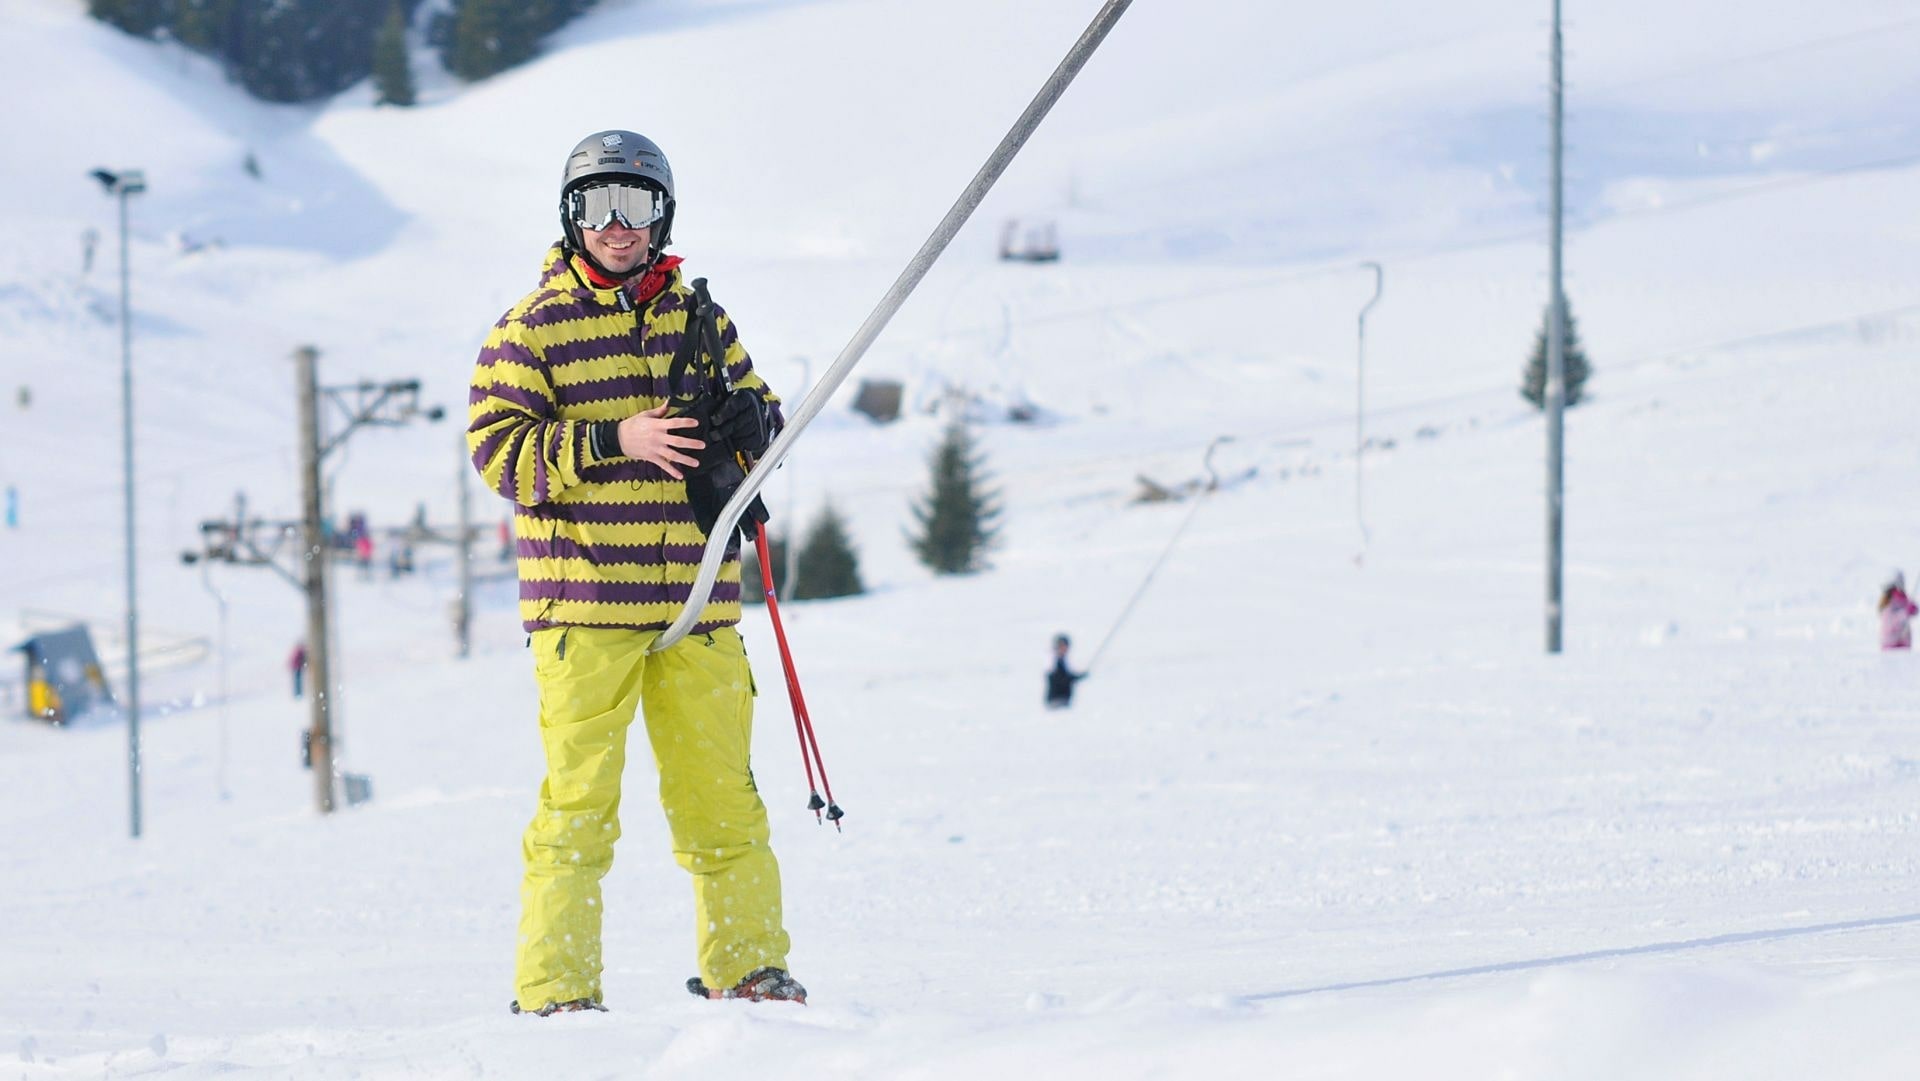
(1040, 244)
(64, 678)
(880, 399)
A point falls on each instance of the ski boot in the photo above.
(760, 985)
(574, 1006)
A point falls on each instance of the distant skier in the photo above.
(569, 420)
(1896, 614)
(297, 664)
(1060, 678)
(363, 554)
(13, 507)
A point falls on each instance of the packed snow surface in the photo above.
(1324, 809)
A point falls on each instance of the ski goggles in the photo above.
(632, 205)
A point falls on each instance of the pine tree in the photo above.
(828, 566)
(479, 38)
(299, 50)
(474, 38)
(290, 50)
(956, 516)
(752, 589)
(214, 27)
(1574, 367)
(141, 18)
(392, 74)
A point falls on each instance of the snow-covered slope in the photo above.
(1324, 809)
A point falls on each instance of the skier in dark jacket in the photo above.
(1060, 678)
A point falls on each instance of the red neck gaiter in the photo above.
(639, 290)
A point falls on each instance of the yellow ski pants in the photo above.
(698, 703)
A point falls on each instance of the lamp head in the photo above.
(125, 182)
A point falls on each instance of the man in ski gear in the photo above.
(1896, 614)
(1060, 678)
(297, 664)
(601, 404)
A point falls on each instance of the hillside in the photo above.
(1323, 810)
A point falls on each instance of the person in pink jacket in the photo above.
(1896, 614)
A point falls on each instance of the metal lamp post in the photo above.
(125, 184)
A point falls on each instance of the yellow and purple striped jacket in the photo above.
(605, 542)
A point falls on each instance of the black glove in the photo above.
(746, 421)
(708, 493)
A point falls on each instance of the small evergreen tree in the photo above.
(828, 566)
(956, 516)
(752, 589)
(299, 50)
(479, 38)
(474, 38)
(214, 27)
(1533, 385)
(392, 75)
(141, 18)
(282, 50)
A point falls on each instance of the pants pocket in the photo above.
(727, 641)
(549, 649)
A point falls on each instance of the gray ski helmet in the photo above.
(617, 155)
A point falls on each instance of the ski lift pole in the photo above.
(1360, 414)
(220, 599)
(1213, 481)
(1206, 461)
(903, 286)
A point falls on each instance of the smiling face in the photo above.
(617, 248)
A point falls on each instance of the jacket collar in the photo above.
(569, 275)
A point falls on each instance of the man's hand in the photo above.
(745, 422)
(650, 437)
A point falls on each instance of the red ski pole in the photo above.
(802, 723)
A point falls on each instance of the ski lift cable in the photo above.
(1213, 482)
(903, 286)
(1412, 253)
